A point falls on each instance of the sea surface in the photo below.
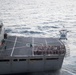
(42, 18)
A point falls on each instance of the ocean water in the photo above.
(42, 18)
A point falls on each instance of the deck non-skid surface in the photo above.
(22, 45)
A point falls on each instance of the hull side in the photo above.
(9, 67)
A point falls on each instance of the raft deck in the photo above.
(25, 46)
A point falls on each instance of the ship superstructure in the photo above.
(1, 32)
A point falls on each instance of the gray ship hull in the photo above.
(30, 64)
(18, 57)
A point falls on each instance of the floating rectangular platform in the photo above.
(25, 46)
(15, 56)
